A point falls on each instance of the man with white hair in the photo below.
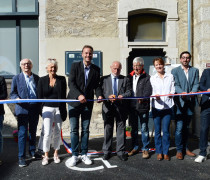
(115, 86)
(139, 109)
(24, 86)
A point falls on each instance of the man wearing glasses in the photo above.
(24, 86)
(186, 81)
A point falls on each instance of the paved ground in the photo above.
(134, 168)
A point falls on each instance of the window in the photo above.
(146, 27)
(18, 35)
(18, 7)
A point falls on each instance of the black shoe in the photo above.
(32, 154)
(35, 155)
(123, 157)
(107, 156)
(22, 163)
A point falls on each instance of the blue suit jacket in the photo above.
(204, 85)
(184, 85)
(19, 90)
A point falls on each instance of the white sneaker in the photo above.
(45, 161)
(57, 159)
(86, 159)
(73, 161)
(200, 159)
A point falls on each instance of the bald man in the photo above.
(115, 86)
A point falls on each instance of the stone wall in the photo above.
(182, 31)
(84, 18)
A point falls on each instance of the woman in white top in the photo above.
(162, 83)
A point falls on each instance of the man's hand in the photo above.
(111, 97)
(157, 97)
(99, 99)
(208, 89)
(184, 96)
(82, 99)
(120, 97)
(140, 101)
(192, 96)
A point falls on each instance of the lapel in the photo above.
(90, 75)
(82, 73)
(109, 84)
(23, 84)
(120, 82)
(190, 75)
(58, 84)
(182, 75)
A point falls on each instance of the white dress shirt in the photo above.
(186, 73)
(135, 80)
(161, 87)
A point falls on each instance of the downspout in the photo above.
(189, 27)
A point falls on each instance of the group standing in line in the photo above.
(84, 80)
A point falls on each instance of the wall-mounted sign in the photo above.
(75, 56)
(208, 65)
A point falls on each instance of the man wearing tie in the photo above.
(115, 86)
(83, 80)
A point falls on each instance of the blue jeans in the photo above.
(204, 129)
(181, 132)
(26, 122)
(162, 118)
(144, 118)
(74, 114)
(1, 137)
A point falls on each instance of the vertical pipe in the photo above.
(189, 26)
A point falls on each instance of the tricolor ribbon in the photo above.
(74, 100)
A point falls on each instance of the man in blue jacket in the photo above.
(24, 86)
(205, 115)
(186, 81)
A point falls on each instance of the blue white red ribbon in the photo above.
(75, 100)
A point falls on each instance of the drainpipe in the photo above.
(189, 26)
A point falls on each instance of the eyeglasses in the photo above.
(137, 65)
(185, 57)
(24, 64)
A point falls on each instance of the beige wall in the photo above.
(84, 18)
(56, 47)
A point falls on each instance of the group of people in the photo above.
(112, 90)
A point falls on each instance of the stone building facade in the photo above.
(67, 25)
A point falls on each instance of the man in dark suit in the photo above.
(24, 86)
(3, 95)
(115, 86)
(205, 115)
(83, 80)
(186, 81)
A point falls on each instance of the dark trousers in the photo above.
(182, 131)
(27, 123)
(204, 129)
(108, 132)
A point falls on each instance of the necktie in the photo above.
(115, 86)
